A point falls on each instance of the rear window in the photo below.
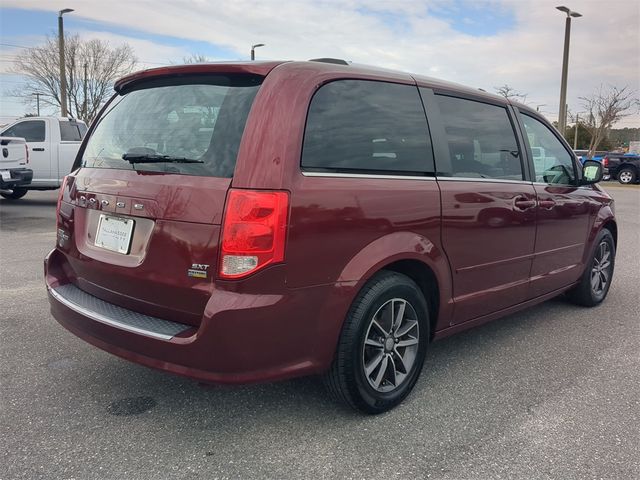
(186, 125)
(364, 126)
(72, 131)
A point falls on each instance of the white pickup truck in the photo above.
(14, 159)
(53, 145)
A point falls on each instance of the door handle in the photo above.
(40, 149)
(548, 204)
(522, 203)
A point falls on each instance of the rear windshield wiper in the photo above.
(154, 158)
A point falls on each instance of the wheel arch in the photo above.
(612, 226)
(426, 280)
(413, 255)
(605, 219)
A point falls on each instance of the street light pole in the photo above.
(562, 115)
(253, 50)
(63, 76)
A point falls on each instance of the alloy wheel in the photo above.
(601, 270)
(391, 345)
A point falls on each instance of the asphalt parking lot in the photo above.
(552, 392)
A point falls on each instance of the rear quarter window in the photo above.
(361, 126)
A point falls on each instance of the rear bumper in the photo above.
(242, 338)
(15, 177)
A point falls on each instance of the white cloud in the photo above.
(150, 54)
(605, 42)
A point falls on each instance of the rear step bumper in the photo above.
(242, 337)
(92, 307)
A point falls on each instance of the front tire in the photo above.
(382, 346)
(15, 194)
(627, 176)
(598, 274)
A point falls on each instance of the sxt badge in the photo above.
(198, 270)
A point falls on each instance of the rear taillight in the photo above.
(253, 231)
(26, 151)
(605, 162)
(60, 195)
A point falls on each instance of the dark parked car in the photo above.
(624, 167)
(259, 221)
(583, 155)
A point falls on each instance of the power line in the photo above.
(91, 56)
(13, 45)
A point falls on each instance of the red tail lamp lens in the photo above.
(253, 232)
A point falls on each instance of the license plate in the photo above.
(6, 174)
(114, 233)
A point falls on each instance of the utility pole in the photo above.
(37, 94)
(63, 75)
(562, 115)
(575, 135)
(84, 84)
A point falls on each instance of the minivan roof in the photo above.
(263, 68)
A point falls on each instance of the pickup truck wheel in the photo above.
(382, 346)
(598, 273)
(626, 175)
(15, 193)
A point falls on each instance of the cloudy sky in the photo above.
(480, 43)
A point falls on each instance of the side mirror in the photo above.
(592, 172)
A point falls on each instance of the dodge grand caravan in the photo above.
(248, 222)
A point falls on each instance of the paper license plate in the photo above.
(114, 233)
(6, 174)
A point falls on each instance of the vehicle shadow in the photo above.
(478, 387)
(509, 362)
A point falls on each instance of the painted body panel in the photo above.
(563, 218)
(489, 241)
(285, 320)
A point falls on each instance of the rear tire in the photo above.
(598, 274)
(15, 194)
(382, 347)
(627, 176)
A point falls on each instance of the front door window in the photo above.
(551, 161)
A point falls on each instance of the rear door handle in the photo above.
(38, 149)
(522, 203)
(548, 204)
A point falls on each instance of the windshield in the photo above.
(197, 119)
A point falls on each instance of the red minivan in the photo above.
(244, 222)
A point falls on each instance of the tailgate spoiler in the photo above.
(252, 68)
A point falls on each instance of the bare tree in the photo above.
(604, 108)
(511, 93)
(195, 58)
(91, 68)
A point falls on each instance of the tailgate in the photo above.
(170, 260)
(14, 153)
(139, 221)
